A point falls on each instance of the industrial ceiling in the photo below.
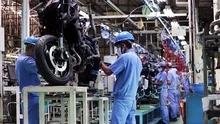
(118, 7)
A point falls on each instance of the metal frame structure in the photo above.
(18, 103)
(103, 105)
(71, 104)
(210, 43)
(113, 6)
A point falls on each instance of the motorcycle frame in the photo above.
(77, 25)
(61, 24)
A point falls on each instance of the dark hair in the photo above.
(128, 44)
(28, 47)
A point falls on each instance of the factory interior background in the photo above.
(70, 36)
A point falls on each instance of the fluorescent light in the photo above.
(83, 14)
(175, 23)
(11, 56)
(183, 43)
(181, 37)
(168, 12)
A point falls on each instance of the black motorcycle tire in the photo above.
(42, 64)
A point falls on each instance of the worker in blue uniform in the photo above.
(161, 83)
(27, 75)
(185, 83)
(172, 82)
(177, 90)
(127, 69)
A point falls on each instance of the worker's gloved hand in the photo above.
(95, 68)
(96, 62)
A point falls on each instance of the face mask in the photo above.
(33, 56)
(185, 75)
(160, 69)
(119, 51)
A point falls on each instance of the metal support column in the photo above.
(1, 89)
(205, 76)
(213, 74)
(190, 35)
(111, 48)
(25, 22)
(1, 83)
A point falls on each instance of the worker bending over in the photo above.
(127, 69)
(27, 75)
(161, 83)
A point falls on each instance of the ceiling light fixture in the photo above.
(168, 12)
(183, 43)
(181, 37)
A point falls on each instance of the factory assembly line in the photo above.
(109, 62)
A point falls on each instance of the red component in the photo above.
(170, 56)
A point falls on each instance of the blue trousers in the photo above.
(178, 102)
(33, 110)
(186, 91)
(163, 106)
(123, 111)
(172, 94)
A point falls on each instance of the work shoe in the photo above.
(173, 119)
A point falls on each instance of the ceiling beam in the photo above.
(149, 22)
(109, 2)
(146, 32)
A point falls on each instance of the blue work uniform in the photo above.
(127, 70)
(162, 77)
(172, 93)
(186, 84)
(27, 75)
(178, 95)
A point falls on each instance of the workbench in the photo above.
(71, 90)
(148, 114)
(103, 106)
(103, 103)
(16, 90)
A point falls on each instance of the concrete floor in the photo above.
(180, 121)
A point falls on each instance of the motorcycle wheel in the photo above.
(53, 70)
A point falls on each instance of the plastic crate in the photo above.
(147, 114)
(198, 88)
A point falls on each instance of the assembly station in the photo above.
(109, 61)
